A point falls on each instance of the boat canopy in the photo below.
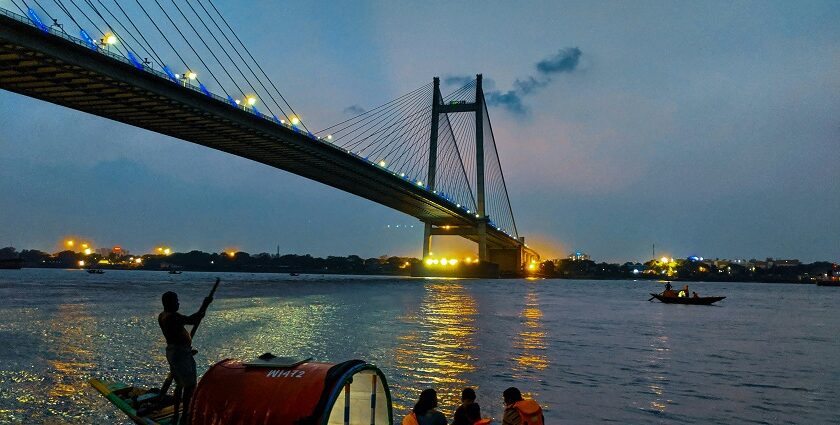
(309, 393)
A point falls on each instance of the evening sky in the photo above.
(707, 128)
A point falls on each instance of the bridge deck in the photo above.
(58, 70)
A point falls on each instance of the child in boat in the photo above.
(469, 412)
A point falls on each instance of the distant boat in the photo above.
(11, 264)
(828, 283)
(95, 271)
(293, 274)
(687, 300)
(174, 272)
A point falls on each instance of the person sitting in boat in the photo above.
(179, 351)
(519, 411)
(469, 412)
(424, 412)
(694, 295)
(684, 292)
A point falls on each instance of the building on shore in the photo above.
(579, 256)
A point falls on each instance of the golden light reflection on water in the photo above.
(69, 358)
(73, 327)
(531, 338)
(439, 353)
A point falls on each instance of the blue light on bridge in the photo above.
(37, 21)
(256, 111)
(89, 41)
(170, 74)
(134, 61)
(232, 102)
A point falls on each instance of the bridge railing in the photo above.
(61, 33)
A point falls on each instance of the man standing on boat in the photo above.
(179, 352)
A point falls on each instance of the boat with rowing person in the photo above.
(96, 271)
(670, 296)
(269, 390)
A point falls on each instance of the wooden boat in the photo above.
(174, 272)
(687, 300)
(95, 271)
(267, 391)
(139, 404)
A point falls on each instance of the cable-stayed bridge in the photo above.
(424, 154)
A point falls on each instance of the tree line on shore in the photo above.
(674, 269)
(222, 261)
(689, 270)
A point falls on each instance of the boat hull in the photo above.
(687, 300)
(129, 400)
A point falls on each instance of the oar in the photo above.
(168, 382)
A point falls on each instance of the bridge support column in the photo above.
(483, 255)
(509, 260)
(427, 241)
(431, 178)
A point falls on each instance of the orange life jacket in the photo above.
(410, 419)
(529, 412)
(484, 421)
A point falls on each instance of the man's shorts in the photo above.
(181, 364)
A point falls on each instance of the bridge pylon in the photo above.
(476, 107)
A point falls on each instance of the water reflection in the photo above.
(658, 362)
(68, 339)
(257, 325)
(531, 338)
(440, 352)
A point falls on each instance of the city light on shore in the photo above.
(447, 261)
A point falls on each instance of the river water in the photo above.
(588, 351)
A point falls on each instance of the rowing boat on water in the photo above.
(687, 300)
(267, 391)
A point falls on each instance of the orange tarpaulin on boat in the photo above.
(310, 393)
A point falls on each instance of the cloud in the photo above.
(457, 80)
(354, 110)
(510, 100)
(529, 85)
(564, 61)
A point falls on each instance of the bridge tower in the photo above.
(476, 107)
